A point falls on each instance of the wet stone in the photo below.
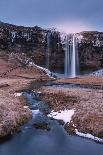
(69, 128)
(42, 126)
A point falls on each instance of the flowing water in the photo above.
(73, 61)
(71, 56)
(32, 141)
(67, 56)
(71, 85)
(48, 52)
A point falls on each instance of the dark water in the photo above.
(69, 85)
(31, 141)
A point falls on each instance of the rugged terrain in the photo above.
(91, 50)
(23, 47)
(33, 41)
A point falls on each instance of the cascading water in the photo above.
(48, 51)
(71, 56)
(66, 56)
(73, 60)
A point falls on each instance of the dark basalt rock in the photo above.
(42, 126)
(70, 128)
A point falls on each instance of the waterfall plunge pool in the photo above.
(55, 141)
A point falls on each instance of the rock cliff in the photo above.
(48, 52)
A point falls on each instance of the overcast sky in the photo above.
(67, 15)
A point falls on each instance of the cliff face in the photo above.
(35, 44)
(91, 50)
(18, 39)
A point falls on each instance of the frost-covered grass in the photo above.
(65, 115)
(89, 136)
(48, 72)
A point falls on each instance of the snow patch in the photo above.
(88, 136)
(39, 92)
(65, 115)
(26, 107)
(98, 73)
(18, 94)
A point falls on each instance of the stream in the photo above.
(71, 85)
(52, 140)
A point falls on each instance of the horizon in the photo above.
(56, 28)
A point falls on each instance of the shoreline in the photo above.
(13, 110)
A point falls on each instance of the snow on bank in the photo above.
(18, 94)
(48, 72)
(64, 115)
(97, 73)
(89, 136)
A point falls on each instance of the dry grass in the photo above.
(12, 110)
(88, 105)
(83, 80)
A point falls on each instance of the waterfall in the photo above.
(48, 51)
(73, 60)
(66, 56)
(71, 56)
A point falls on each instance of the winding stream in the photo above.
(32, 141)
